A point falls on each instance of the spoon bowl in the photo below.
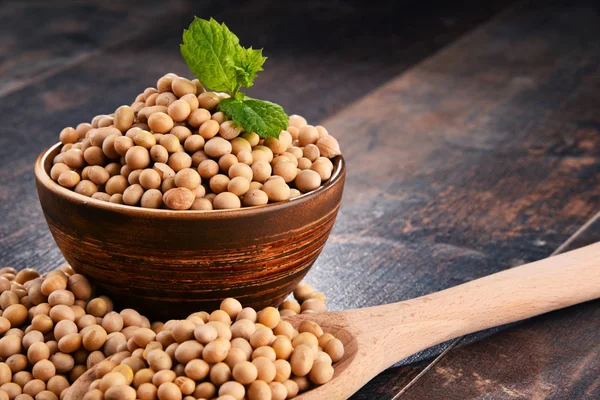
(375, 338)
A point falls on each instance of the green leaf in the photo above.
(247, 64)
(263, 117)
(210, 50)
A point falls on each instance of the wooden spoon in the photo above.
(377, 337)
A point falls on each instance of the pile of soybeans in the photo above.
(171, 148)
(53, 329)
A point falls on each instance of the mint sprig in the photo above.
(214, 54)
(208, 48)
(256, 115)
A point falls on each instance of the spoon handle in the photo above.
(377, 337)
(507, 296)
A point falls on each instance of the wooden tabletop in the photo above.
(471, 133)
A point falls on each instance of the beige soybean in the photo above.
(69, 179)
(308, 134)
(122, 143)
(239, 144)
(238, 186)
(328, 147)
(179, 198)
(193, 143)
(264, 351)
(191, 99)
(323, 167)
(160, 122)
(208, 168)
(202, 204)
(163, 376)
(307, 180)
(226, 161)
(262, 337)
(310, 327)
(262, 153)
(315, 305)
(16, 314)
(208, 100)
(179, 110)
(216, 147)
(197, 369)
(287, 170)
(259, 390)
(120, 392)
(311, 152)
(137, 157)
(18, 362)
(159, 154)
(144, 139)
(216, 351)
(219, 373)
(68, 135)
(335, 349)
(245, 372)
(276, 189)
(58, 169)
(198, 117)
(182, 86)
(150, 179)
(74, 158)
(164, 84)
(205, 333)
(261, 170)
(266, 369)
(43, 370)
(321, 372)
(187, 178)
(218, 183)
(302, 359)
(152, 198)
(228, 130)
(165, 99)
(282, 346)
(32, 337)
(245, 157)
(123, 118)
(255, 198)
(179, 161)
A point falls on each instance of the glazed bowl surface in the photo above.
(168, 264)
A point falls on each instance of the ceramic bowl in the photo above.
(168, 264)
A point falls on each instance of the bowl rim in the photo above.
(43, 178)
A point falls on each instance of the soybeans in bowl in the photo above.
(186, 208)
(171, 148)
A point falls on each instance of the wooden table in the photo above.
(472, 137)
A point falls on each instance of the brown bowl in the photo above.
(169, 264)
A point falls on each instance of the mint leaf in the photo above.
(247, 64)
(210, 50)
(263, 117)
(215, 56)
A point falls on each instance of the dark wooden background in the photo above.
(471, 133)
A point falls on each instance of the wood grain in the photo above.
(41, 38)
(520, 363)
(487, 167)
